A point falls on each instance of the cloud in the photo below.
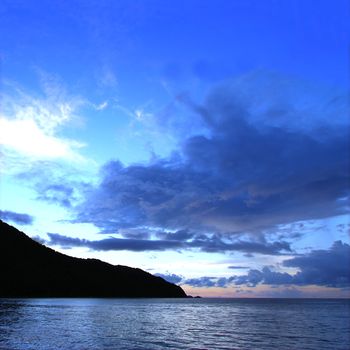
(30, 125)
(135, 245)
(201, 282)
(25, 137)
(62, 194)
(207, 282)
(138, 243)
(330, 268)
(326, 268)
(323, 267)
(172, 278)
(54, 182)
(233, 267)
(265, 276)
(39, 239)
(101, 106)
(215, 245)
(18, 218)
(252, 170)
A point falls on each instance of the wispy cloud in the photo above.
(103, 105)
(31, 125)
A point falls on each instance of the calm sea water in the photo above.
(174, 324)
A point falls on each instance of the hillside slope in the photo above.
(29, 269)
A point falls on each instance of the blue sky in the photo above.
(204, 141)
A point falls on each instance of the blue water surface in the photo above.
(174, 324)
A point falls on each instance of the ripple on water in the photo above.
(174, 324)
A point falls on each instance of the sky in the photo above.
(206, 142)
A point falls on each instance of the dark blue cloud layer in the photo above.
(18, 218)
(329, 268)
(204, 244)
(249, 172)
(135, 245)
(324, 267)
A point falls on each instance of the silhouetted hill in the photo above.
(29, 269)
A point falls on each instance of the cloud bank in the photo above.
(204, 244)
(262, 162)
(328, 268)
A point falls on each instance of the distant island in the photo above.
(29, 269)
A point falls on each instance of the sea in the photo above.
(50, 324)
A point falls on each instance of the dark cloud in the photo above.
(18, 218)
(234, 267)
(113, 243)
(213, 244)
(180, 235)
(172, 278)
(328, 268)
(265, 276)
(135, 234)
(206, 244)
(323, 267)
(201, 282)
(262, 162)
(207, 282)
